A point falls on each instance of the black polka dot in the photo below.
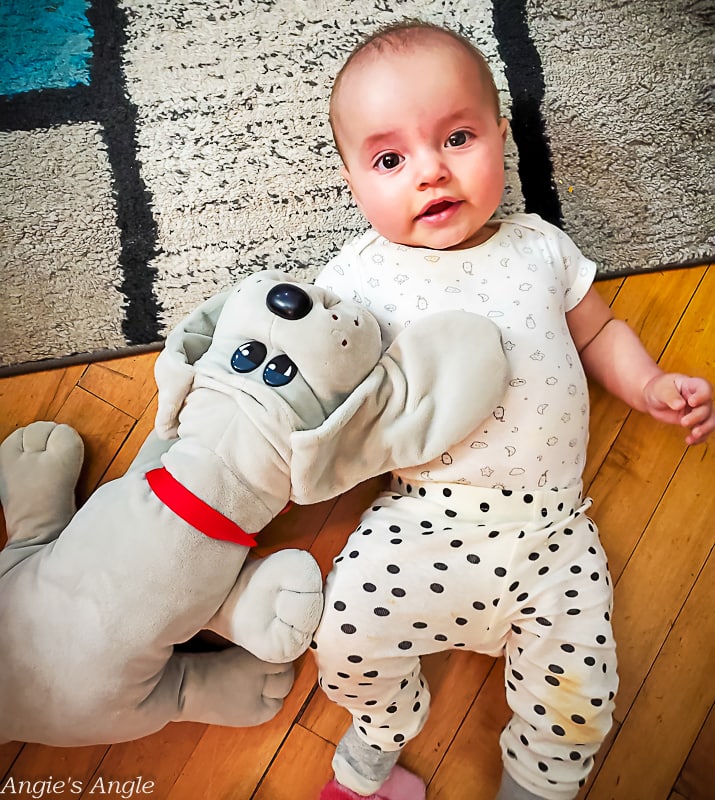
(394, 529)
(437, 588)
(500, 572)
(439, 565)
(484, 507)
(449, 513)
(447, 492)
(456, 543)
(354, 659)
(552, 681)
(528, 498)
(540, 710)
(398, 592)
(493, 534)
(478, 605)
(534, 556)
(543, 766)
(348, 628)
(338, 605)
(393, 569)
(369, 587)
(461, 621)
(425, 524)
(473, 559)
(405, 645)
(440, 637)
(373, 673)
(558, 730)
(381, 612)
(354, 553)
(578, 719)
(543, 621)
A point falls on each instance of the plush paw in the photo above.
(230, 687)
(39, 467)
(274, 607)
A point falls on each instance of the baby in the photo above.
(488, 548)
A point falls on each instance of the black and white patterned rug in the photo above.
(153, 152)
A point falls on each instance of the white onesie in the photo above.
(524, 279)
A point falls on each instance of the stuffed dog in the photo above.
(270, 392)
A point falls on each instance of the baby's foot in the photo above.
(401, 785)
(39, 467)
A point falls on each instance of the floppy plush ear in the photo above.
(174, 371)
(437, 381)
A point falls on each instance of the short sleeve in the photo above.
(340, 275)
(578, 271)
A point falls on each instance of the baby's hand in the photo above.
(682, 400)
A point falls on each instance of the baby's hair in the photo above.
(403, 35)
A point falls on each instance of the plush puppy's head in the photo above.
(293, 339)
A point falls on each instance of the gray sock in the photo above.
(361, 767)
(511, 790)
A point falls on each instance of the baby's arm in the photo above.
(613, 355)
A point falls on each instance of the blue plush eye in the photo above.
(248, 356)
(280, 371)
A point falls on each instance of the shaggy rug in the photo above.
(153, 152)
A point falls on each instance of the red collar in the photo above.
(193, 510)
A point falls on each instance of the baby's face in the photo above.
(422, 145)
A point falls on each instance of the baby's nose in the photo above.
(289, 301)
(431, 168)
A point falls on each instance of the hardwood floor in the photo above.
(654, 502)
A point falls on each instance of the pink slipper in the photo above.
(401, 785)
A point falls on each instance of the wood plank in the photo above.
(130, 447)
(103, 429)
(662, 571)
(8, 753)
(472, 766)
(455, 679)
(126, 383)
(128, 761)
(676, 697)
(301, 769)
(697, 777)
(628, 487)
(26, 398)
(38, 762)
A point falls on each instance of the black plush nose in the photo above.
(289, 301)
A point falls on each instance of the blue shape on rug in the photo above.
(46, 44)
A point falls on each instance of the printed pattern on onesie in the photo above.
(524, 278)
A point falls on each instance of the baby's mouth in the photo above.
(437, 208)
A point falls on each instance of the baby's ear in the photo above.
(174, 370)
(438, 380)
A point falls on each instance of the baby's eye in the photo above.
(458, 138)
(388, 161)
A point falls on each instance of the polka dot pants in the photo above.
(436, 566)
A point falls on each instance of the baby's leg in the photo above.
(369, 642)
(39, 467)
(561, 667)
